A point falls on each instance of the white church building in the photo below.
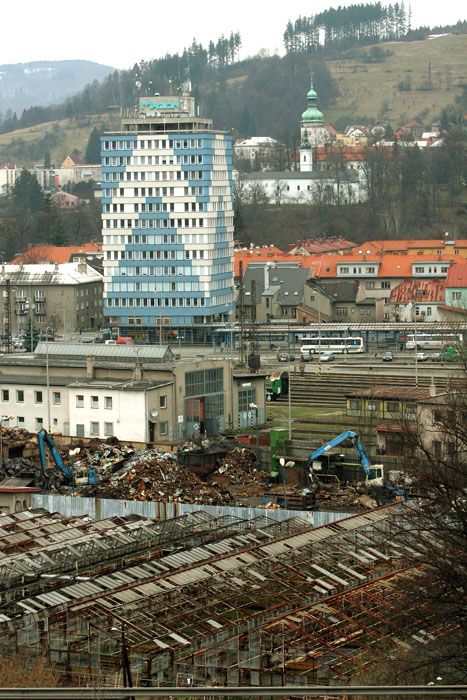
(307, 185)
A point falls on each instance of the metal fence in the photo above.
(100, 508)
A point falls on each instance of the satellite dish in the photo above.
(138, 84)
(153, 415)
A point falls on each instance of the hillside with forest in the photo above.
(388, 82)
(44, 82)
(372, 68)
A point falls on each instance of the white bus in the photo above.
(432, 340)
(328, 344)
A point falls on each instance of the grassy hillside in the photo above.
(370, 89)
(26, 146)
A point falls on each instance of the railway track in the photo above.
(330, 390)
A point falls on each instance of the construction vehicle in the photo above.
(277, 385)
(336, 467)
(67, 476)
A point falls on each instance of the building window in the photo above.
(164, 427)
(38, 397)
(436, 448)
(108, 429)
(79, 401)
(94, 402)
(20, 396)
(205, 381)
(373, 405)
(456, 296)
(355, 404)
(56, 398)
(163, 401)
(385, 285)
(20, 421)
(370, 285)
(5, 395)
(392, 406)
(245, 397)
(94, 428)
(39, 423)
(108, 402)
(79, 430)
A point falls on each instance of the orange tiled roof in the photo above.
(350, 153)
(388, 246)
(457, 275)
(325, 265)
(389, 265)
(54, 253)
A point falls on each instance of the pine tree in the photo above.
(93, 148)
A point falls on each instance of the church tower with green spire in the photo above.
(306, 154)
(312, 122)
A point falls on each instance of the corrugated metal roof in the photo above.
(117, 353)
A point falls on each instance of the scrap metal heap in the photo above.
(203, 600)
(206, 472)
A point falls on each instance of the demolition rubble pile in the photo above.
(154, 475)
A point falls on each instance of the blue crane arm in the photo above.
(356, 442)
(44, 439)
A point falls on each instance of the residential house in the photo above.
(256, 148)
(272, 292)
(71, 161)
(416, 300)
(391, 411)
(65, 200)
(456, 287)
(336, 300)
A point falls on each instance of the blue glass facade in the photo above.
(167, 227)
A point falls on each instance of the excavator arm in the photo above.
(45, 441)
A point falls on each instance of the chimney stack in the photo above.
(90, 366)
(138, 371)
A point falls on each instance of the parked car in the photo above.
(437, 357)
(422, 357)
(326, 357)
(307, 357)
(388, 357)
(285, 357)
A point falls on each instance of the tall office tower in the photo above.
(167, 219)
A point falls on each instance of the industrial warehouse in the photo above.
(213, 601)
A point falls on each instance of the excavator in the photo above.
(374, 477)
(66, 476)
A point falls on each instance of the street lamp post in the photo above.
(416, 350)
(2, 420)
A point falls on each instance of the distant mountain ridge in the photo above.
(23, 85)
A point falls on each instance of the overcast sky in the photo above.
(120, 33)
